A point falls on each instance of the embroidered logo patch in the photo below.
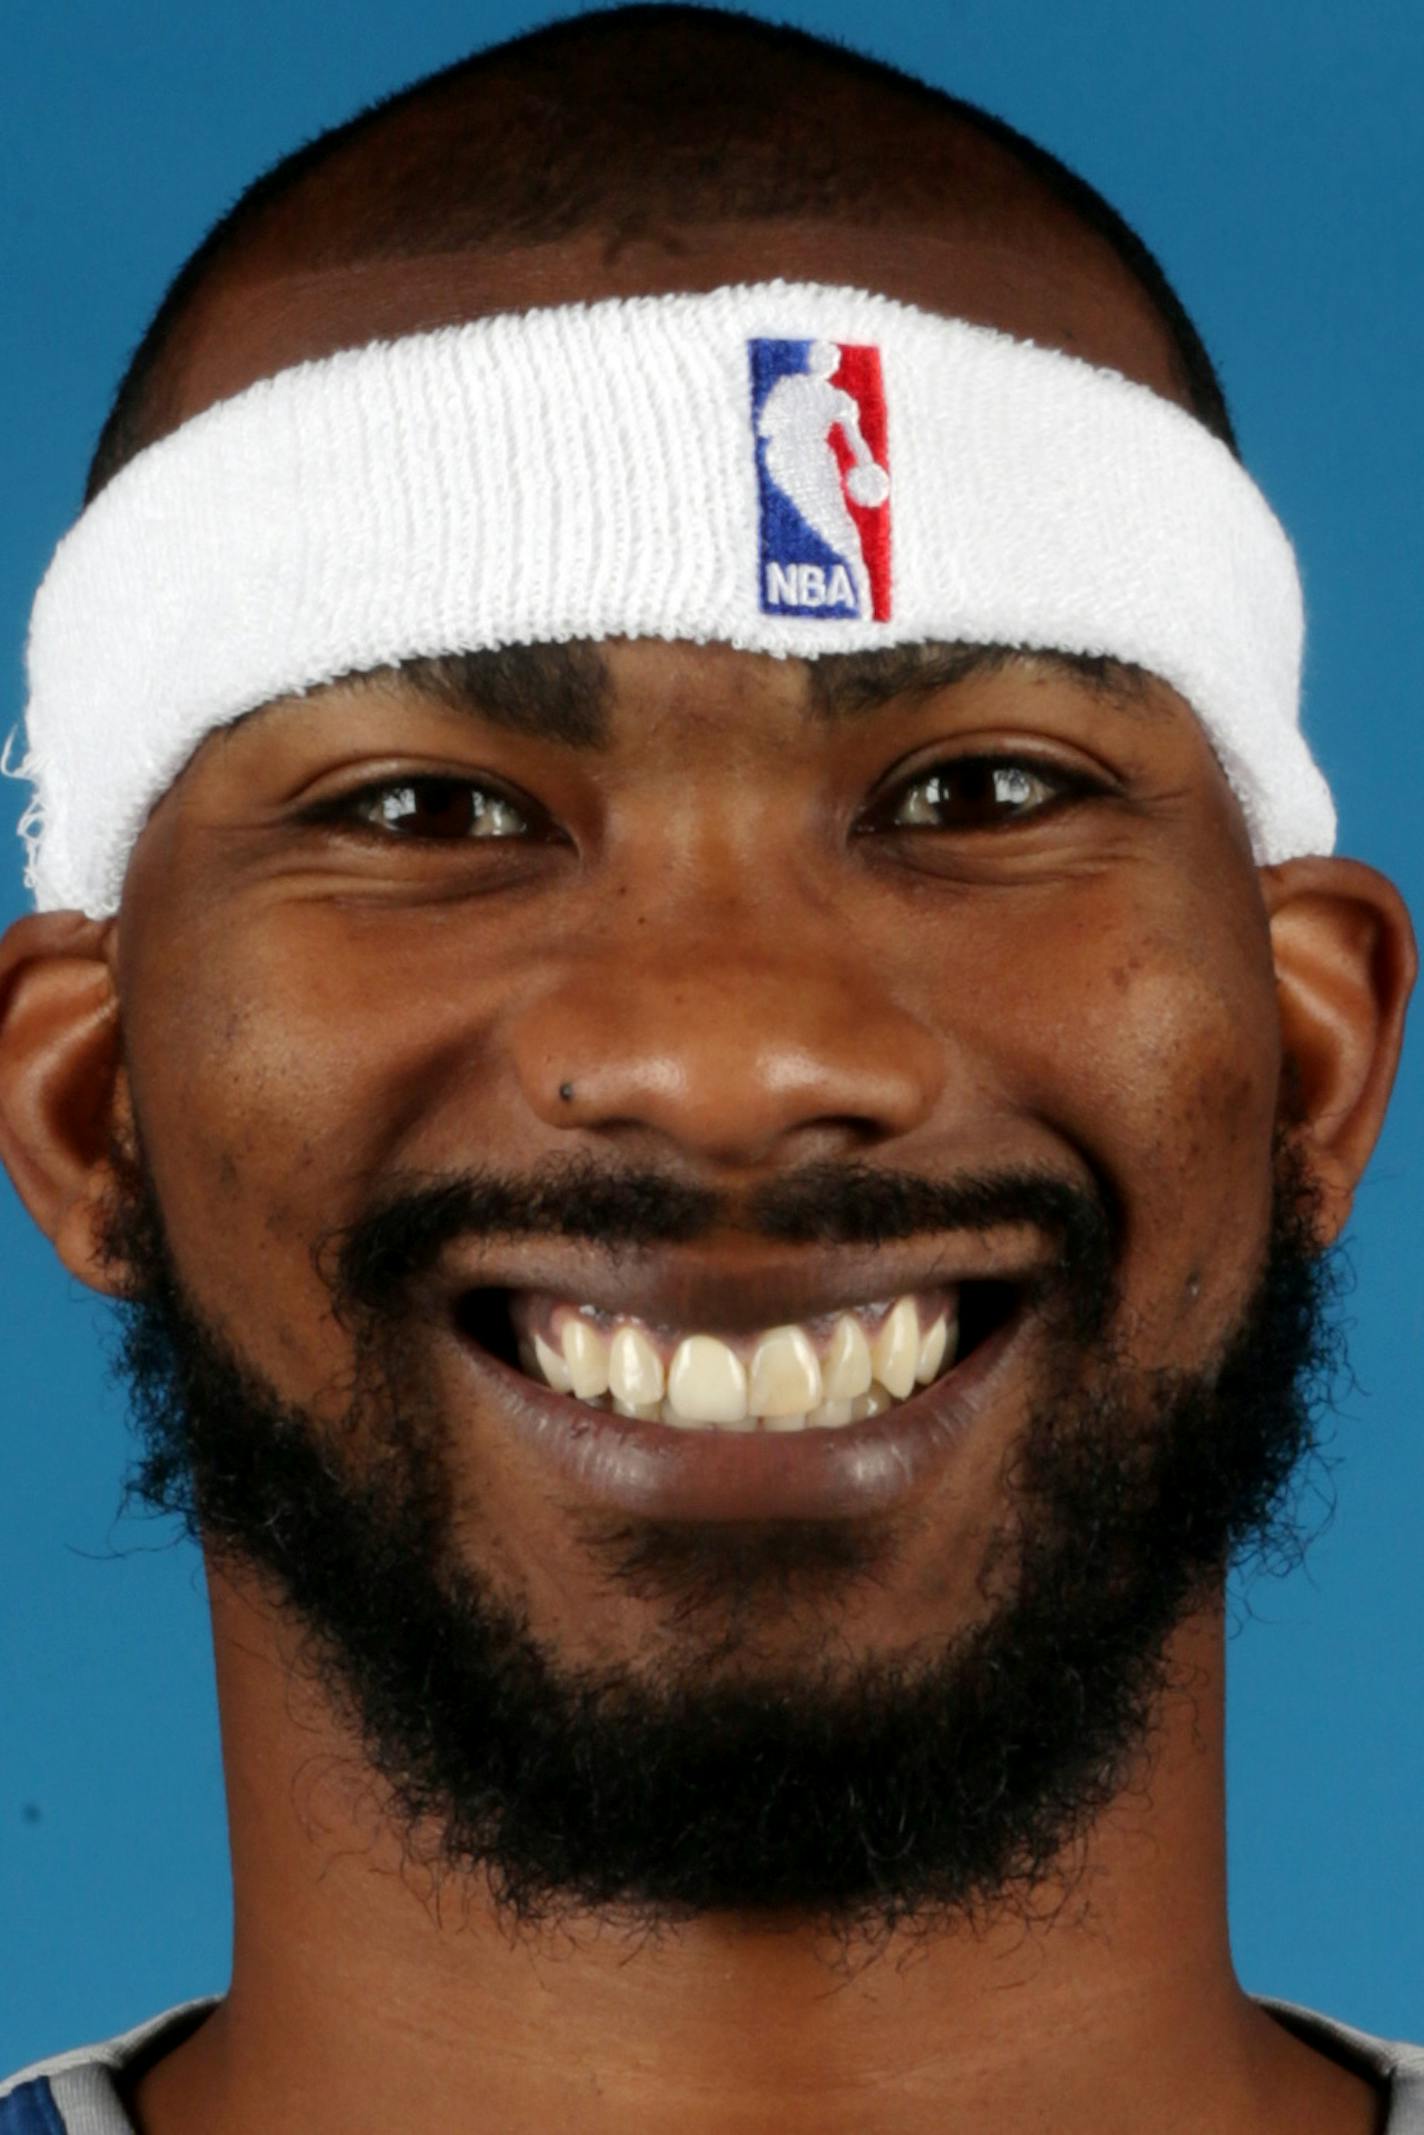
(823, 475)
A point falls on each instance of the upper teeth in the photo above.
(830, 1373)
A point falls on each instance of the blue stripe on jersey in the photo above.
(31, 2110)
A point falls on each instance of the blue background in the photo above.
(1270, 151)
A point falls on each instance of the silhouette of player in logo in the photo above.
(796, 421)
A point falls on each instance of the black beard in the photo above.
(858, 1796)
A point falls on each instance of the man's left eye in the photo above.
(982, 792)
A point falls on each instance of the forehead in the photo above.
(1047, 282)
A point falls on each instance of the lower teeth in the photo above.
(830, 1416)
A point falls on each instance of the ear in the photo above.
(61, 1085)
(1345, 962)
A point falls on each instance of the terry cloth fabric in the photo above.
(786, 468)
(75, 2093)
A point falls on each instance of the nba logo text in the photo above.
(823, 479)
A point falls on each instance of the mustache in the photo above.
(371, 1263)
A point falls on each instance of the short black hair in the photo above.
(608, 119)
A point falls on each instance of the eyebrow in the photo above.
(563, 692)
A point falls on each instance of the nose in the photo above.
(729, 1047)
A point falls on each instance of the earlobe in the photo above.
(60, 1081)
(1345, 962)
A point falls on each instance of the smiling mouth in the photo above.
(821, 1374)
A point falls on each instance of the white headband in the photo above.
(786, 468)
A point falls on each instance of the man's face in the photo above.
(769, 987)
(862, 980)
(739, 934)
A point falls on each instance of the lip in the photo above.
(748, 1294)
(621, 1464)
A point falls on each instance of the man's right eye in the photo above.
(434, 810)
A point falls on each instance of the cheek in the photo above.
(1148, 1039)
(274, 1079)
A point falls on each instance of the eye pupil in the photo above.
(439, 808)
(975, 792)
(435, 806)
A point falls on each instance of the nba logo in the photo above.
(818, 413)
